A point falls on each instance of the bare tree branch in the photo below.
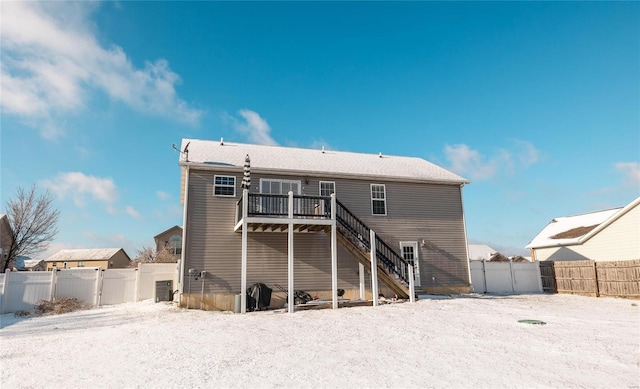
(33, 223)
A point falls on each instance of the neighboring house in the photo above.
(414, 207)
(5, 238)
(478, 252)
(33, 265)
(107, 258)
(171, 240)
(609, 235)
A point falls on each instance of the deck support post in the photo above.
(362, 285)
(374, 268)
(334, 254)
(243, 277)
(412, 285)
(291, 294)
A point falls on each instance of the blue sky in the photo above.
(537, 103)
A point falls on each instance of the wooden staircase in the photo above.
(353, 235)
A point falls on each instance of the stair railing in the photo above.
(359, 233)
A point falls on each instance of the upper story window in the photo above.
(378, 199)
(327, 188)
(174, 245)
(224, 186)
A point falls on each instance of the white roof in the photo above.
(599, 219)
(480, 251)
(83, 254)
(290, 159)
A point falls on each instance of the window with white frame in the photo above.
(378, 199)
(80, 263)
(224, 186)
(269, 186)
(327, 188)
(174, 245)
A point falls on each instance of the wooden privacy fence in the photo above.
(592, 278)
(21, 291)
(505, 277)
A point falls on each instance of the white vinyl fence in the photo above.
(505, 277)
(21, 291)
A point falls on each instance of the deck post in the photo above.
(243, 276)
(291, 293)
(362, 285)
(374, 268)
(334, 254)
(412, 285)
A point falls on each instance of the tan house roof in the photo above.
(84, 254)
(290, 159)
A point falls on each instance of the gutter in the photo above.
(288, 172)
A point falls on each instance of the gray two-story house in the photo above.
(302, 219)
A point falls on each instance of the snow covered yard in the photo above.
(467, 341)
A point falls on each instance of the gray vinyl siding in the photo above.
(415, 212)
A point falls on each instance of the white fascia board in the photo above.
(288, 172)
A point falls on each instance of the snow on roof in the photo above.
(83, 254)
(480, 251)
(563, 224)
(278, 158)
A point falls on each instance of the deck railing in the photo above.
(358, 232)
(319, 207)
(274, 205)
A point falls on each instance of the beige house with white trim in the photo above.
(305, 222)
(608, 235)
(105, 258)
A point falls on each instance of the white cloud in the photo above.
(472, 164)
(132, 212)
(631, 171)
(254, 128)
(52, 60)
(468, 162)
(163, 195)
(78, 186)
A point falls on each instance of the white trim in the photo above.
(184, 232)
(416, 258)
(281, 181)
(326, 182)
(224, 185)
(384, 192)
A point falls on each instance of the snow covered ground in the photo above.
(462, 342)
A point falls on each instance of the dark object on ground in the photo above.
(64, 305)
(531, 321)
(258, 297)
(340, 292)
(299, 296)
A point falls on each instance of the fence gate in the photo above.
(548, 277)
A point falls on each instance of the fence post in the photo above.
(4, 290)
(136, 287)
(595, 278)
(54, 281)
(539, 277)
(484, 276)
(513, 278)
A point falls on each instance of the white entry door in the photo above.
(410, 254)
